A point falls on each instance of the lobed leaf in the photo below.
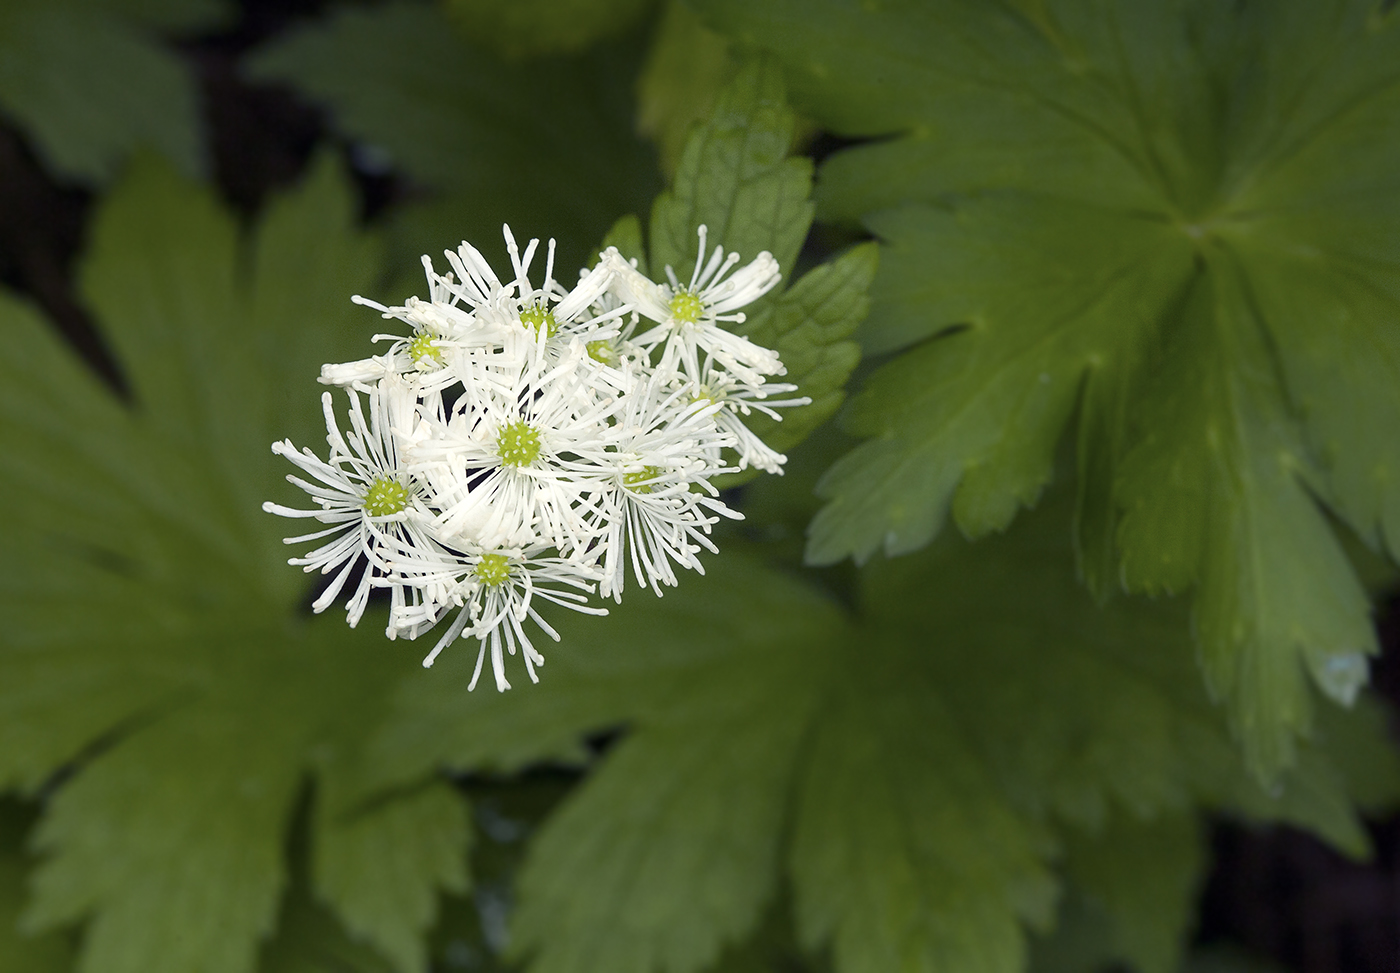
(1144, 876)
(1174, 219)
(909, 765)
(158, 682)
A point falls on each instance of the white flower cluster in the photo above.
(521, 443)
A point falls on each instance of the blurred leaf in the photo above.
(923, 752)
(1177, 219)
(535, 27)
(156, 655)
(547, 146)
(626, 235)
(685, 69)
(1144, 877)
(91, 85)
(382, 866)
(310, 940)
(678, 831)
(905, 856)
(21, 953)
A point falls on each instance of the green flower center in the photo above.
(538, 317)
(518, 444)
(421, 348)
(639, 482)
(492, 569)
(385, 497)
(602, 351)
(686, 307)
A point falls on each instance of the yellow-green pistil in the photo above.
(639, 482)
(492, 569)
(686, 307)
(385, 497)
(602, 351)
(538, 317)
(518, 443)
(421, 349)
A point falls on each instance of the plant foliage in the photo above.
(498, 140)
(1175, 224)
(193, 698)
(1168, 228)
(91, 85)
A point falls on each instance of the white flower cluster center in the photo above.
(522, 443)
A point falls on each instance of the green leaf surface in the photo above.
(809, 325)
(21, 953)
(159, 680)
(1176, 220)
(684, 72)
(736, 178)
(382, 866)
(904, 855)
(1143, 876)
(547, 146)
(677, 808)
(537, 27)
(908, 766)
(310, 940)
(91, 84)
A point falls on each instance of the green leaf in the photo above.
(971, 419)
(1065, 191)
(535, 27)
(310, 940)
(157, 657)
(20, 953)
(1220, 498)
(684, 72)
(91, 86)
(925, 752)
(808, 326)
(1142, 876)
(677, 830)
(626, 236)
(546, 146)
(381, 866)
(736, 178)
(904, 854)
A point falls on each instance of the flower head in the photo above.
(526, 442)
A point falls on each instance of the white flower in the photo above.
(689, 316)
(494, 592)
(495, 464)
(440, 331)
(651, 470)
(739, 398)
(362, 492)
(524, 442)
(527, 311)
